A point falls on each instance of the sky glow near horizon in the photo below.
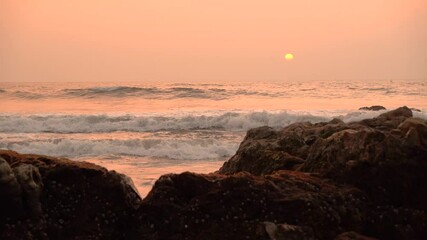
(108, 40)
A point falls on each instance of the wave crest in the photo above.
(230, 121)
(182, 149)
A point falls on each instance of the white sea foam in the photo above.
(360, 115)
(188, 149)
(189, 137)
(232, 121)
(229, 121)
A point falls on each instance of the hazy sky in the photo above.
(212, 40)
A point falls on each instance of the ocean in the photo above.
(145, 130)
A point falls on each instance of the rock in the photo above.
(404, 112)
(384, 157)
(415, 131)
(31, 184)
(373, 108)
(215, 206)
(11, 205)
(389, 120)
(286, 231)
(353, 236)
(415, 109)
(280, 150)
(63, 199)
(285, 149)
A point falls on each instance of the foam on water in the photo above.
(188, 149)
(149, 129)
(182, 138)
(232, 121)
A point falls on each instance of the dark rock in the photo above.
(415, 109)
(414, 131)
(385, 157)
(373, 108)
(31, 184)
(389, 120)
(353, 236)
(214, 206)
(11, 205)
(284, 231)
(281, 150)
(63, 199)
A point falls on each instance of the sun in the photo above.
(289, 57)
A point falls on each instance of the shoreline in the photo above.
(327, 180)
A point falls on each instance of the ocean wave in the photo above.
(27, 95)
(119, 91)
(174, 92)
(229, 121)
(147, 92)
(183, 149)
(376, 89)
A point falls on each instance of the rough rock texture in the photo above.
(373, 108)
(385, 157)
(50, 198)
(352, 236)
(197, 206)
(363, 180)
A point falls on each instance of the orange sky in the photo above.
(212, 40)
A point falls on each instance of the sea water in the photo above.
(147, 129)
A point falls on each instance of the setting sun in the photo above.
(289, 57)
(239, 119)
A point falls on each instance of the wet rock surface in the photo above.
(333, 180)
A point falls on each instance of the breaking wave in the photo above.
(119, 91)
(183, 149)
(230, 121)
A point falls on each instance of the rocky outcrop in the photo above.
(332, 180)
(385, 157)
(50, 198)
(283, 205)
(373, 108)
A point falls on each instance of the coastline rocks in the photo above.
(373, 108)
(385, 157)
(63, 199)
(262, 150)
(388, 120)
(215, 206)
(331, 180)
